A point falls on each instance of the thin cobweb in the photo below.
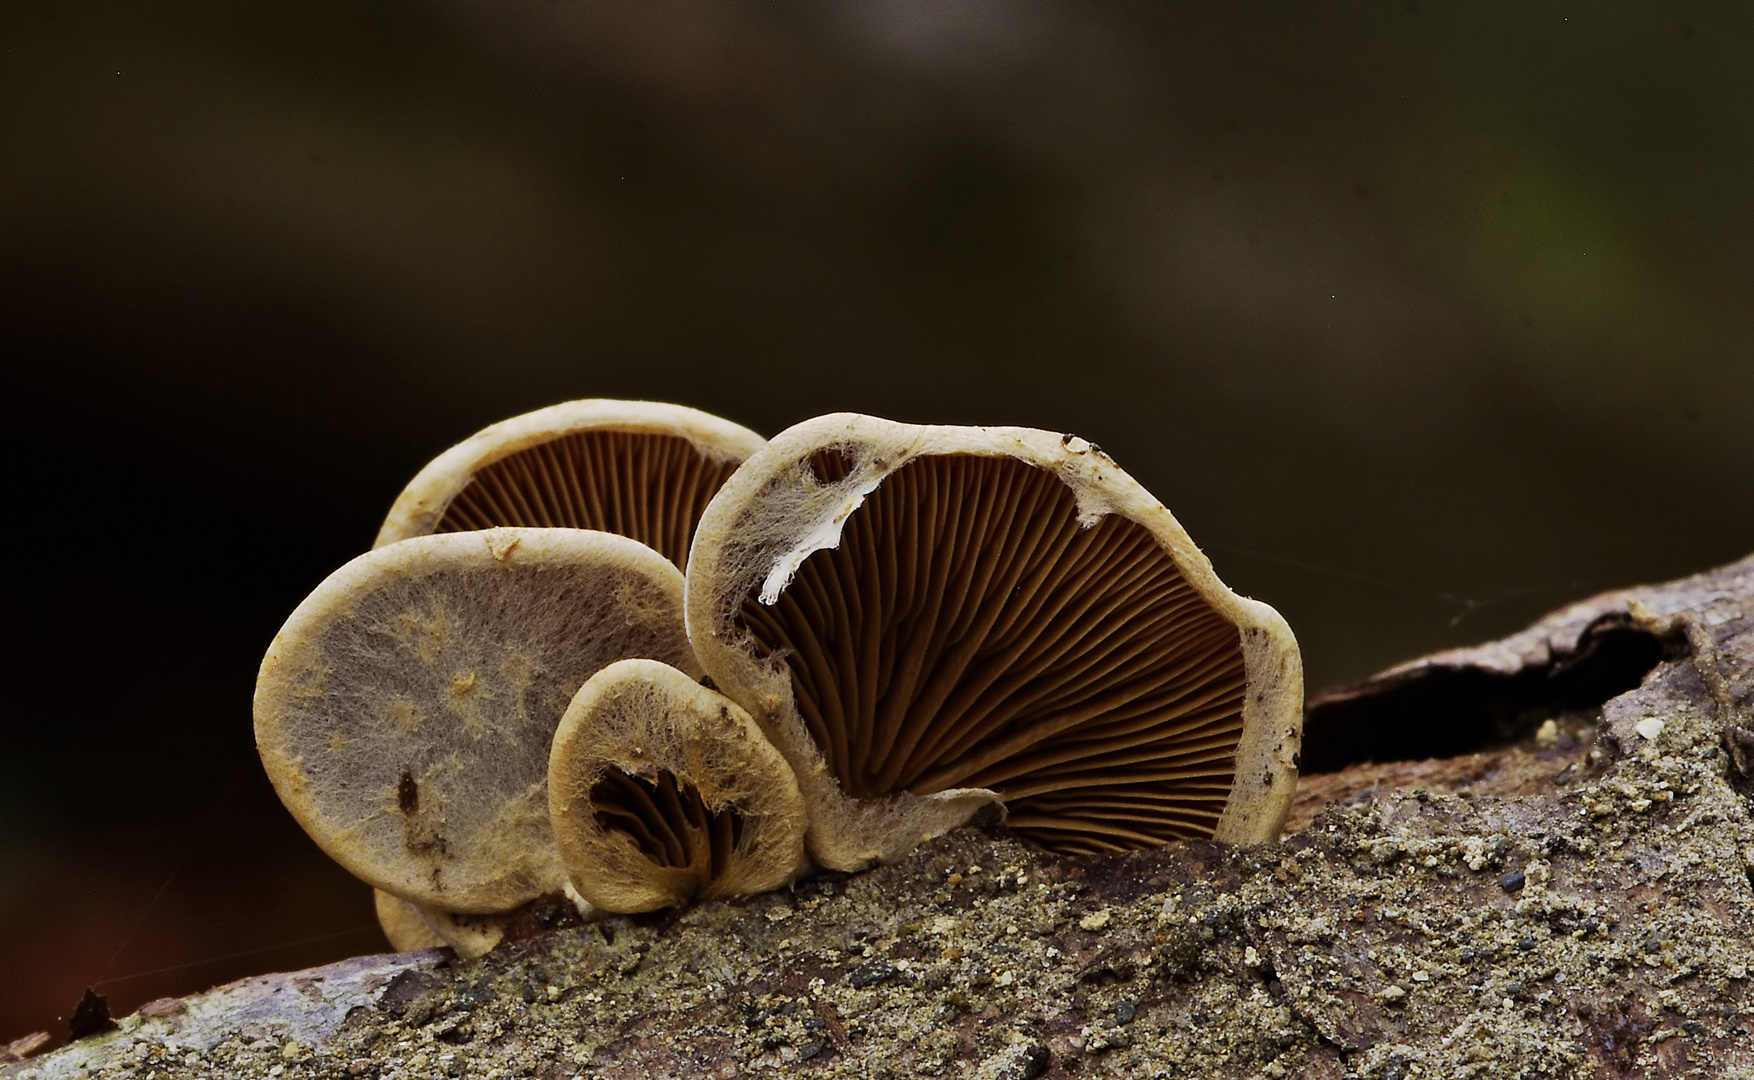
(258, 951)
(196, 840)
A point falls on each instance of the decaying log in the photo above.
(1570, 896)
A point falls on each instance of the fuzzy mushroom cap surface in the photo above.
(928, 619)
(663, 791)
(642, 469)
(404, 712)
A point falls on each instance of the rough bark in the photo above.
(1572, 902)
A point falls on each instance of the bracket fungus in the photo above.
(662, 791)
(929, 620)
(642, 469)
(405, 711)
(503, 702)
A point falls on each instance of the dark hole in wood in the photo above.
(1438, 713)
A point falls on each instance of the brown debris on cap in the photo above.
(404, 712)
(638, 468)
(662, 791)
(926, 619)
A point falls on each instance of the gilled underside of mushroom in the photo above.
(670, 822)
(662, 790)
(968, 631)
(645, 485)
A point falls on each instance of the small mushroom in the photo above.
(405, 711)
(928, 619)
(472, 936)
(469, 936)
(638, 468)
(402, 923)
(662, 791)
(410, 927)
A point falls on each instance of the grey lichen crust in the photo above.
(1602, 929)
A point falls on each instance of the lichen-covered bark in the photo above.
(1597, 920)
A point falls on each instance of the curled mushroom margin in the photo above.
(653, 468)
(663, 791)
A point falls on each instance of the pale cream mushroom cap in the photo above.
(472, 936)
(928, 619)
(404, 712)
(469, 936)
(642, 469)
(662, 791)
(402, 923)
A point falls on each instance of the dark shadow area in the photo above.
(1445, 712)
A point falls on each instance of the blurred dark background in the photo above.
(1422, 318)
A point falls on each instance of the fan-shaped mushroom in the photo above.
(638, 468)
(662, 790)
(405, 711)
(924, 619)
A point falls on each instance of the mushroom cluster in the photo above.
(629, 655)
